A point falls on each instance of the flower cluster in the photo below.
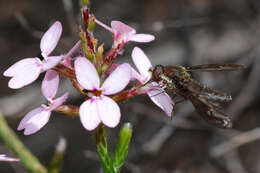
(100, 81)
(26, 71)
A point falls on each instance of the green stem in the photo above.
(28, 160)
(103, 151)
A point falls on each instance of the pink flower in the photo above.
(37, 118)
(153, 90)
(28, 70)
(124, 33)
(4, 158)
(100, 108)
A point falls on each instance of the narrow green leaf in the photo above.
(122, 146)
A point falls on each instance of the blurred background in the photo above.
(188, 32)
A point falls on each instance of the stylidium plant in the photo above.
(93, 73)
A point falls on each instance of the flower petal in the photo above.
(50, 39)
(137, 76)
(162, 100)
(86, 74)
(109, 111)
(142, 62)
(67, 62)
(25, 76)
(16, 68)
(134, 74)
(37, 122)
(34, 120)
(142, 38)
(121, 28)
(117, 80)
(50, 84)
(89, 115)
(4, 158)
(111, 69)
(28, 116)
(51, 62)
(59, 101)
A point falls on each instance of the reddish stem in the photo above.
(78, 87)
(111, 55)
(86, 18)
(70, 73)
(65, 71)
(125, 95)
(68, 110)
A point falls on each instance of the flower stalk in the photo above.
(70, 110)
(103, 151)
(65, 71)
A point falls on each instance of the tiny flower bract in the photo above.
(27, 70)
(100, 108)
(153, 90)
(38, 117)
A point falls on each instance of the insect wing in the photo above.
(215, 67)
(215, 97)
(210, 113)
(209, 94)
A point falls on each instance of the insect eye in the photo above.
(151, 69)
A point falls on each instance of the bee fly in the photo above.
(178, 82)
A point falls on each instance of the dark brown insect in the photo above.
(178, 82)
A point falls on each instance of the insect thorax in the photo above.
(172, 77)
